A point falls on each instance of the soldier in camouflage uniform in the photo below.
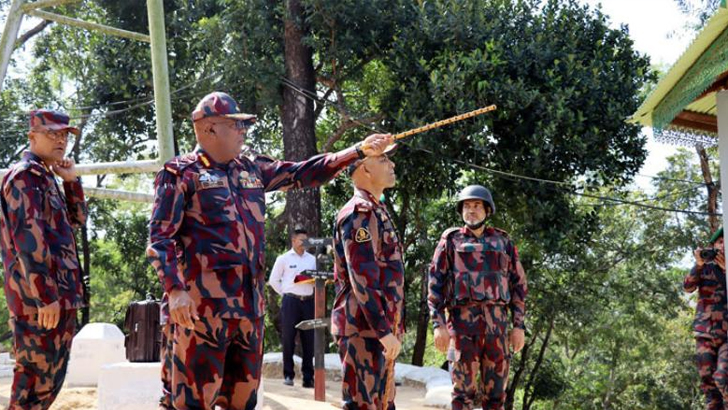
(43, 285)
(366, 320)
(477, 279)
(709, 326)
(211, 205)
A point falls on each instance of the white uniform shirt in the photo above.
(286, 268)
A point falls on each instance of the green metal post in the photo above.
(10, 34)
(162, 102)
(46, 4)
(69, 21)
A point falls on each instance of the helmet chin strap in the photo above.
(476, 225)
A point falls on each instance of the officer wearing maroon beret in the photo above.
(207, 245)
(475, 281)
(43, 284)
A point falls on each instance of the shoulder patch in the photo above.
(362, 235)
(21, 167)
(176, 165)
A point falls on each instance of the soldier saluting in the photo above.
(366, 319)
(43, 285)
(477, 279)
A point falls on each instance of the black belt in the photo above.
(301, 298)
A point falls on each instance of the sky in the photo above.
(658, 29)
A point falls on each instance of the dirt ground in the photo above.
(277, 397)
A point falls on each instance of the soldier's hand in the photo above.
(375, 144)
(49, 315)
(182, 309)
(442, 339)
(720, 260)
(517, 339)
(699, 262)
(66, 169)
(392, 346)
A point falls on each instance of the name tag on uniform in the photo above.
(211, 181)
(292, 267)
(249, 181)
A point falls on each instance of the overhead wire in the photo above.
(567, 187)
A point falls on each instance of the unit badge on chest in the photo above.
(363, 235)
(211, 181)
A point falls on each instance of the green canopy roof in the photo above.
(684, 99)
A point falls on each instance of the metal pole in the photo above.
(103, 168)
(88, 25)
(103, 193)
(10, 34)
(722, 103)
(47, 4)
(319, 338)
(162, 102)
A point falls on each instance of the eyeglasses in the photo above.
(59, 135)
(243, 124)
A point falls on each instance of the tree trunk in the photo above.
(86, 311)
(528, 397)
(712, 189)
(85, 248)
(303, 207)
(518, 374)
(423, 319)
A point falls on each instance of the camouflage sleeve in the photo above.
(519, 290)
(437, 289)
(25, 195)
(75, 203)
(692, 279)
(360, 233)
(167, 215)
(316, 171)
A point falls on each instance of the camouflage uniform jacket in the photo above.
(368, 269)
(710, 312)
(468, 273)
(38, 246)
(212, 216)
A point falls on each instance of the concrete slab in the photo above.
(95, 346)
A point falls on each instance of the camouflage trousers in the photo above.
(486, 354)
(712, 361)
(41, 359)
(217, 363)
(165, 356)
(364, 374)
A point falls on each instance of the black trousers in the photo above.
(293, 311)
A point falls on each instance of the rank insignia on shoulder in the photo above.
(211, 181)
(171, 170)
(362, 235)
(35, 172)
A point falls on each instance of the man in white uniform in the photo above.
(297, 305)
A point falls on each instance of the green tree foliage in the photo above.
(607, 326)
